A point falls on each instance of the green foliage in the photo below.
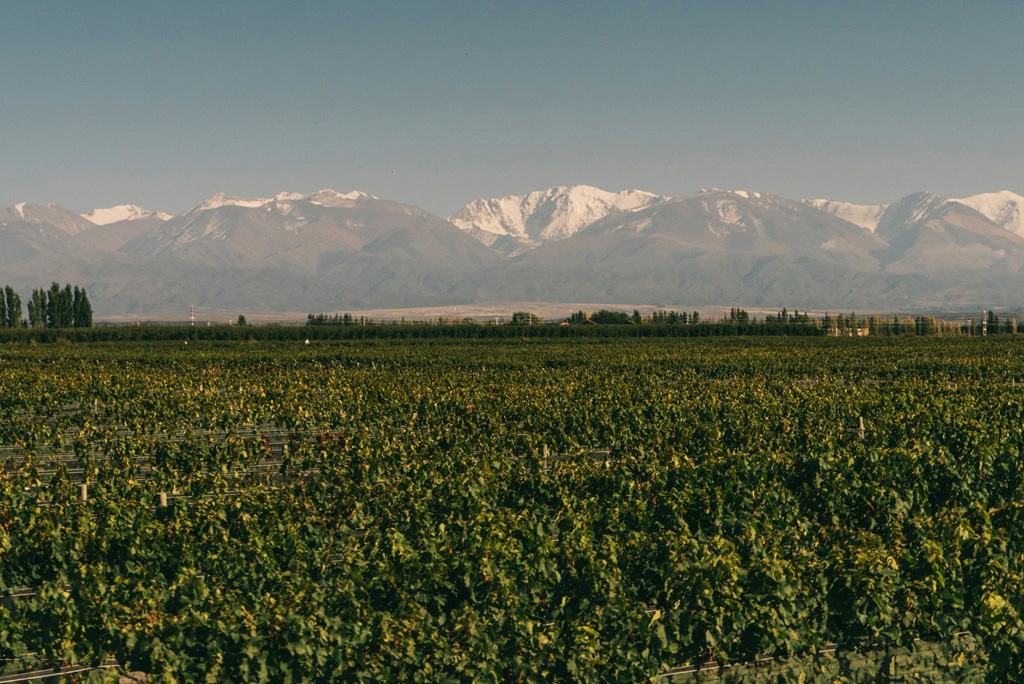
(37, 309)
(737, 315)
(606, 316)
(525, 318)
(386, 511)
(578, 317)
(10, 308)
(325, 319)
(81, 309)
(56, 308)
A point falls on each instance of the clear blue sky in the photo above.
(437, 103)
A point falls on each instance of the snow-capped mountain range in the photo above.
(333, 251)
(528, 220)
(1005, 209)
(553, 214)
(323, 198)
(561, 212)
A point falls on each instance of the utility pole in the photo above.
(192, 315)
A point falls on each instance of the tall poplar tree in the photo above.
(82, 308)
(38, 309)
(52, 305)
(12, 307)
(57, 307)
(33, 317)
(67, 307)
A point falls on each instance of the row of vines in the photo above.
(514, 511)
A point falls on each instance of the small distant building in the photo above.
(848, 332)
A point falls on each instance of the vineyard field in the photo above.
(603, 509)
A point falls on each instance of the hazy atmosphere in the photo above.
(437, 104)
(514, 342)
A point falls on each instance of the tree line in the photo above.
(737, 322)
(923, 326)
(56, 307)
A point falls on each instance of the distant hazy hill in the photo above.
(28, 231)
(328, 251)
(934, 235)
(713, 247)
(1005, 209)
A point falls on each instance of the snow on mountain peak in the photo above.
(333, 198)
(51, 215)
(742, 194)
(1004, 208)
(918, 208)
(224, 200)
(552, 214)
(122, 212)
(863, 215)
(324, 198)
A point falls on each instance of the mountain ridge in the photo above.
(332, 251)
(540, 216)
(1003, 208)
